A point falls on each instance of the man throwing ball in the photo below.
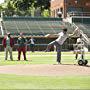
(62, 36)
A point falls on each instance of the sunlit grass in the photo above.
(43, 82)
(40, 58)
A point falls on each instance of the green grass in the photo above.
(40, 58)
(37, 82)
(44, 82)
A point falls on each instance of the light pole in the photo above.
(65, 8)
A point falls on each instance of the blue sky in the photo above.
(1, 1)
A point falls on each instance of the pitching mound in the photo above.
(45, 70)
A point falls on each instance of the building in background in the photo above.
(68, 6)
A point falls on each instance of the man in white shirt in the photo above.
(58, 43)
(80, 47)
(32, 44)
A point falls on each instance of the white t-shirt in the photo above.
(62, 37)
(79, 40)
(32, 41)
(8, 41)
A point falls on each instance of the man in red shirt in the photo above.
(8, 43)
(21, 46)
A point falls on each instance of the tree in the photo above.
(25, 7)
(44, 4)
(46, 13)
(8, 8)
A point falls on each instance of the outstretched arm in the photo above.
(76, 33)
(51, 35)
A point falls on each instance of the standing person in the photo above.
(80, 44)
(8, 43)
(21, 46)
(62, 36)
(80, 48)
(32, 44)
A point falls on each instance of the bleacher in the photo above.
(81, 19)
(85, 28)
(37, 27)
(42, 26)
(83, 23)
(32, 26)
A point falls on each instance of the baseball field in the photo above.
(42, 72)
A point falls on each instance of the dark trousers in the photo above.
(22, 49)
(32, 46)
(82, 56)
(58, 46)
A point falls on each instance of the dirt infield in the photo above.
(45, 70)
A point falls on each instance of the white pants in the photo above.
(8, 49)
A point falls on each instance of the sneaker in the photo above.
(59, 63)
(18, 60)
(75, 62)
(26, 60)
(5, 58)
(11, 59)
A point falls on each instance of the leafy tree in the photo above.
(46, 13)
(8, 8)
(44, 4)
(25, 7)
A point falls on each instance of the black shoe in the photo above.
(26, 60)
(11, 59)
(59, 63)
